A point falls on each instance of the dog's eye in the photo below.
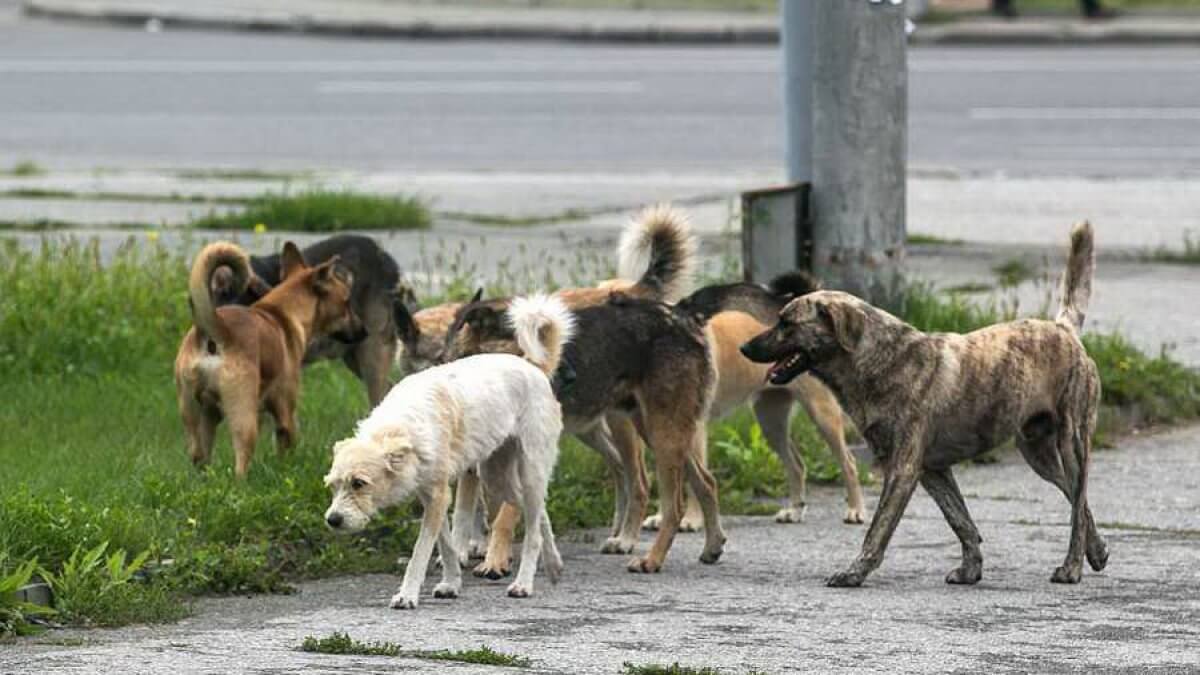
(357, 484)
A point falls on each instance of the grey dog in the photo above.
(925, 401)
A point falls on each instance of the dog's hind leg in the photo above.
(704, 486)
(241, 411)
(773, 409)
(534, 479)
(499, 478)
(432, 521)
(551, 558)
(281, 405)
(617, 441)
(940, 485)
(672, 448)
(822, 407)
(200, 425)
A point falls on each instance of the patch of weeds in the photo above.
(241, 174)
(917, 239)
(660, 669)
(519, 221)
(1190, 255)
(342, 643)
(970, 287)
(25, 169)
(15, 614)
(323, 211)
(98, 589)
(1013, 272)
(484, 656)
(137, 197)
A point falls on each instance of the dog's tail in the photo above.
(543, 325)
(1077, 278)
(794, 284)
(211, 257)
(658, 250)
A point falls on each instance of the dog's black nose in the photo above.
(745, 350)
(334, 519)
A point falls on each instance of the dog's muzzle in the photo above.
(334, 520)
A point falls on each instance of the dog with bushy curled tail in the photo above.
(494, 411)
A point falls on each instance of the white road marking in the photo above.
(480, 87)
(1085, 114)
(547, 65)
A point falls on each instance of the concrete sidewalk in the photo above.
(764, 606)
(371, 18)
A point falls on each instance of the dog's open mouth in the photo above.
(786, 369)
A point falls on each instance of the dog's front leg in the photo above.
(451, 582)
(435, 504)
(898, 488)
(466, 499)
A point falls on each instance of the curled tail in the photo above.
(794, 284)
(1077, 278)
(210, 258)
(542, 325)
(657, 248)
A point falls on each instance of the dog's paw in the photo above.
(691, 523)
(644, 566)
(1066, 575)
(710, 557)
(965, 576)
(846, 579)
(486, 570)
(518, 590)
(1097, 555)
(445, 590)
(616, 545)
(855, 516)
(402, 601)
(791, 514)
(652, 523)
(554, 569)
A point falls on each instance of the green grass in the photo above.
(1013, 272)
(1188, 255)
(172, 198)
(241, 174)
(323, 211)
(24, 169)
(342, 643)
(917, 239)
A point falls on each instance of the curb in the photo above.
(1135, 32)
(400, 28)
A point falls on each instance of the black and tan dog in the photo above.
(373, 298)
(237, 360)
(631, 359)
(927, 401)
(736, 313)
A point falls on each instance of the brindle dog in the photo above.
(927, 401)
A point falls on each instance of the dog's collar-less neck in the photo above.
(296, 331)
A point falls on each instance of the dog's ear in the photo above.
(291, 261)
(329, 273)
(397, 449)
(477, 297)
(847, 323)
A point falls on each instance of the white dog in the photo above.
(494, 410)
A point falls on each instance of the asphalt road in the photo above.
(85, 97)
(764, 607)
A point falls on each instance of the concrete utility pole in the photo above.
(795, 40)
(859, 144)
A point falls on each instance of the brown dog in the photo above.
(236, 359)
(927, 401)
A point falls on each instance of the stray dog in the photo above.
(656, 255)
(494, 410)
(636, 361)
(736, 313)
(372, 297)
(236, 360)
(927, 401)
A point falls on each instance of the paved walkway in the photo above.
(764, 606)
(373, 18)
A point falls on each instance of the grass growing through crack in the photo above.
(319, 210)
(24, 169)
(673, 669)
(1189, 255)
(342, 643)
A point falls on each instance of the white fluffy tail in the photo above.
(543, 325)
(1077, 278)
(658, 251)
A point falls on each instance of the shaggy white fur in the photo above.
(494, 410)
(664, 223)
